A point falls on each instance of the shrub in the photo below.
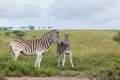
(7, 34)
(34, 36)
(19, 33)
(117, 37)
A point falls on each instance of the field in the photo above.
(94, 53)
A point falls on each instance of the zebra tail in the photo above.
(11, 51)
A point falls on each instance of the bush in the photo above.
(117, 37)
(7, 34)
(34, 36)
(19, 33)
(110, 72)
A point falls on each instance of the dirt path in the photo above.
(45, 78)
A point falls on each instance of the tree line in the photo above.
(29, 27)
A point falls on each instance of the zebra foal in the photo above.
(64, 48)
(34, 47)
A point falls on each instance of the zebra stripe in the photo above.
(35, 46)
(64, 48)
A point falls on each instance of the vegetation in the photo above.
(7, 34)
(95, 55)
(29, 27)
(19, 33)
(5, 28)
(117, 37)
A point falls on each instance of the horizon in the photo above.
(53, 28)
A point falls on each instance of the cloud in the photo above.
(85, 13)
(24, 8)
(79, 8)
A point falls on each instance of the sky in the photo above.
(61, 14)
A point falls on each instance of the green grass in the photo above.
(95, 54)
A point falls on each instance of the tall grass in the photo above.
(94, 54)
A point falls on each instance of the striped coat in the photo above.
(64, 48)
(35, 46)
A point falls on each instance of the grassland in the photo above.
(95, 54)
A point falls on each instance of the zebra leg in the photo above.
(71, 60)
(58, 60)
(38, 59)
(36, 63)
(63, 59)
(16, 54)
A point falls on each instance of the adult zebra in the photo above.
(35, 46)
(64, 48)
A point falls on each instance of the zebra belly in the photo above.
(28, 54)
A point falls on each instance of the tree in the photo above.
(22, 27)
(6, 28)
(31, 27)
(9, 28)
(19, 33)
(117, 37)
(50, 27)
(39, 27)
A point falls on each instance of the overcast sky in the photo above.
(69, 14)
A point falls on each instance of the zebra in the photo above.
(34, 47)
(64, 48)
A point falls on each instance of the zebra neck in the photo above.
(47, 42)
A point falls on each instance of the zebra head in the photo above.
(66, 38)
(56, 37)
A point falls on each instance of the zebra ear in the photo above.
(67, 35)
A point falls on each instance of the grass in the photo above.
(94, 55)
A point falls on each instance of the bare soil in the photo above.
(45, 78)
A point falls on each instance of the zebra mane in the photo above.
(50, 32)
